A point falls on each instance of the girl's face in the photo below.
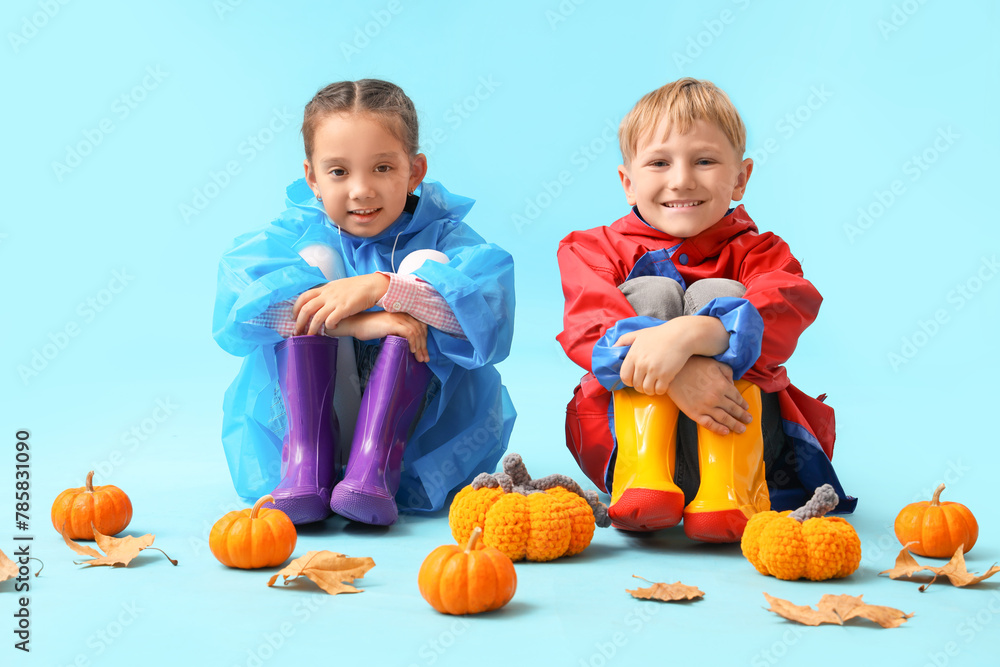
(361, 172)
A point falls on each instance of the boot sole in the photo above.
(303, 509)
(646, 510)
(363, 507)
(718, 526)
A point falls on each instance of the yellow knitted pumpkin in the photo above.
(803, 543)
(537, 520)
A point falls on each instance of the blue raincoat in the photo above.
(464, 429)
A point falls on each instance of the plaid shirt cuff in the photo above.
(411, 295)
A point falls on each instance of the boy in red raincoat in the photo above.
(682, 313)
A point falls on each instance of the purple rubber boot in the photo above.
(390, 403)
(307, 368)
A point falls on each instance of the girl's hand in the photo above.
(657, 354)
(369, 326)
(703, 390)
(332, 302)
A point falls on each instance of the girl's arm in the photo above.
(477, 284)
(411, 295)
(263, 269)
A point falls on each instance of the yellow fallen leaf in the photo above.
(955, 569)
(666, 592)
(117, 550)
(8, 568)
(330, 571)
(835, 609)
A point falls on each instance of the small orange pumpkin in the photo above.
(253, 538)
(936, 529)
(77, 512)
(469, 581)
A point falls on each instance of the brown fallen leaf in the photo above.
(836, 609)
(666, 592)
(8, 568)
(117, 550)
(955, 569)
(330, 571)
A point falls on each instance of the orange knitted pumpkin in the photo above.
(77, 512)
(803, 543)
(253, 538)
(537, 520)
(936, 529)
(467, 581)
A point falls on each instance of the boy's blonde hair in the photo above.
(682, 102)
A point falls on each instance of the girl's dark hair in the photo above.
(385, 101)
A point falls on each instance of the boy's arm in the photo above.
(593, 302)
(658, 353)
(596, 311)
(787, 303)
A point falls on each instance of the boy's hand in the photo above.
(369, 326)
(657, 354)
(703, 390)
(332, 302)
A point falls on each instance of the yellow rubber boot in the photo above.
(732, 485)
(643, 494)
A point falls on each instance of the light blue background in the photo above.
(510, 96)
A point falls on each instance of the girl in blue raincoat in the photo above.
(368, 283)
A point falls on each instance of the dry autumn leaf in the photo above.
(330, 571)
(955, 569)
(117, 550)
(8, 568)
(666, 592)
(836, 609)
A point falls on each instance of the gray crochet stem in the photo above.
(485, 480)
(513, 465)
(506, 483)
(600, 510)
(554, 480)
(823, 500)
(515, 478)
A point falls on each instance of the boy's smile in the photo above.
(682, 184)
(361, 172)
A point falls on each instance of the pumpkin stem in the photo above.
(485, 479)
(936, 500)
(256, 509)
(477, 534)
(513, 465)
(823, 500)
(90, 481)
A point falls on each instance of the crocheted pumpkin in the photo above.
(803, 543)
(538, 520)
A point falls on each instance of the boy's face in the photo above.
(362, 173)
(683, 184)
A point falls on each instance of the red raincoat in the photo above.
(593, 263)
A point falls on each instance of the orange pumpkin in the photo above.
(77, 512)
(469, 581)
(253, 538)
(936, 529)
